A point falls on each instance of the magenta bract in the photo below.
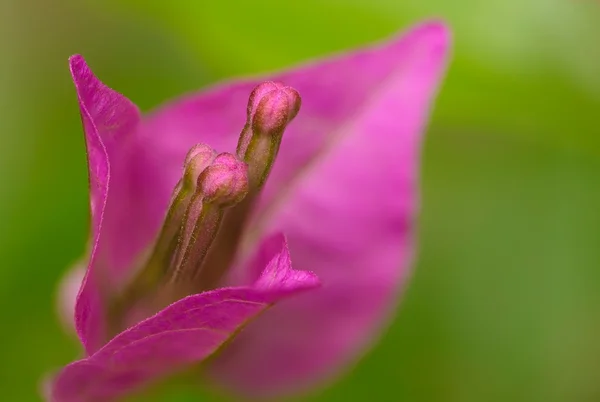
(340, 182)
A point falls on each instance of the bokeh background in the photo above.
(504, 304)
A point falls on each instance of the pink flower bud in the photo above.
(273, 106)
(225, 181)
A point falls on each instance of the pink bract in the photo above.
(343, 191)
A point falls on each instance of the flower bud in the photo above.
(197, 159)
(225, 181)
(276, 107)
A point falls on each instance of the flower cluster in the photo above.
(187, 263)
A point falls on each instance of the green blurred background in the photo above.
(505, 301)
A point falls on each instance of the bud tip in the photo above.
(272, 106)
(225, 181)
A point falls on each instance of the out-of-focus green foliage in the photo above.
(504, 302)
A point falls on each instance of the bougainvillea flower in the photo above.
(197, 263)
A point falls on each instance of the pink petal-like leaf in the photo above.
(350, 216)
(109, 120)
(343, 189)
(184, 333)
